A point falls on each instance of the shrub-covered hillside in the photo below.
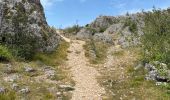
(156, 39)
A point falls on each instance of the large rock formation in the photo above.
(122, 30)
(23, 23)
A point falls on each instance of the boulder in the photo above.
(157, 71)
(152, 75)
(66, 87)
(106, 38)
(49, 72)
(103, 22)
(23, 22)
(84, 33)
(113, 29)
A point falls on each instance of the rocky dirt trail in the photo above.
(86, 85)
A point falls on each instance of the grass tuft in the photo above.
(57, 57)
(5, 54)
(8, 96)
(96, 51)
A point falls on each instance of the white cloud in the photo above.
(131, 11)
(47, 3)
(118, 4)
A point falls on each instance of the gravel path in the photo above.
(86, 85)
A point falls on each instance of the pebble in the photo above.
(11, 78)
(29, 69)
(67, 87)
(15, 86)
(24, 91)
(2, 90)
(131, 92)
(58, 93)
(161, 83)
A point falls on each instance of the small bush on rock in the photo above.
(131, 24)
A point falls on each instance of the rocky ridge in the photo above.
(115, 29)
(24, 22)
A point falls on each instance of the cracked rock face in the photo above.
(114, 30)
(157, 71)
(23, 20)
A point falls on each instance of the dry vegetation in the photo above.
(96, 51)
(41, 86)
(124, 81)
(54, 58)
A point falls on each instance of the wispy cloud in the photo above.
(118, 4)
(131, 11)
(47, 3)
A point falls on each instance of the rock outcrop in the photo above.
(23, 22)
(157, 71)
(122, 30)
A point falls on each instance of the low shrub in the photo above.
(5, 54)
(72, 30)
(156, 37)
(96, 51)
(131, 24)
(55, 58)
(8, 96)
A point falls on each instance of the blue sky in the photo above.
(64, 13)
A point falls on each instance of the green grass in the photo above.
(8, 96)
(133, 86)
(5, 54)
(118, 53)
(141, 89)
(99, 49)
(48, 96)
(156, 37)
(38, 90)
(56, 58)
(131, 24)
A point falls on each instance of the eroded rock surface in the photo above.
(24, 22)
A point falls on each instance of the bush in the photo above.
(8, 96)
(132, 25)
(96, 51)
(102, 29)
(92, 30)
(24, 46)
(156, 37)
(72, 30)
(5, 55)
